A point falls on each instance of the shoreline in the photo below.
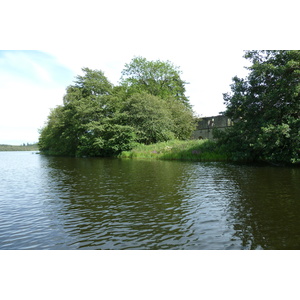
(191, 150)
(6, 148)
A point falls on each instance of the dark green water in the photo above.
(72, 203)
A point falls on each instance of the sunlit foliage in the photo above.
(265, 107)
(99, 119)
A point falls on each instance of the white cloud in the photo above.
(42, 73)
(31, 83)
(25, 110)
(23, 66)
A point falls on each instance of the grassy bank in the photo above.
(192, 150)
(33, 147)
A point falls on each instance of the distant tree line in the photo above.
(265, 108)
(23, 147)
(99, 119)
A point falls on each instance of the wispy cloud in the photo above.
(34, 67)
(31, 82)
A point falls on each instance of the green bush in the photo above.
(192, 150)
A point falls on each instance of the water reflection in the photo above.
(265, 206)
(118, 204)
(67, 203)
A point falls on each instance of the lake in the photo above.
(100, 203)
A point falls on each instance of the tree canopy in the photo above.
(157, 78)
(99, 119)
(265, 108)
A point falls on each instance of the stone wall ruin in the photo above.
(206, 125)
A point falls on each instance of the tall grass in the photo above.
(193, 150)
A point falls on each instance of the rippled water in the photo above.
(76, 203)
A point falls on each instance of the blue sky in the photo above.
(33, 67)
(206, 40)
(31, 82)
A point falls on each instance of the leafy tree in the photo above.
(184, 122)
(157, 120)
(53, 137)
(266, 109)
(85, 124)
(99, 119)
(93, 82)
(150, 117)
(157, 78)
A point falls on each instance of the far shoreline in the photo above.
(30, 147)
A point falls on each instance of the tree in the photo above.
(99, 119)
(157, 78)
(265, 107)
(149, 116)
(54, 137)
(93, 82)
(184, 122)
(86, 124)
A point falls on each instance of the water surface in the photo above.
(77, 203)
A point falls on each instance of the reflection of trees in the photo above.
(122, 204)
(117, 204)
(266, 212)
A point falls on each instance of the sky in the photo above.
(33, 82)
(206, 40)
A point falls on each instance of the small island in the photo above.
(149, 107)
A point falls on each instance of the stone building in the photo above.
(206, 125)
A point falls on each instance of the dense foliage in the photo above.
(265, 108)
(157, 78)
(99, 119)
(192, 150)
